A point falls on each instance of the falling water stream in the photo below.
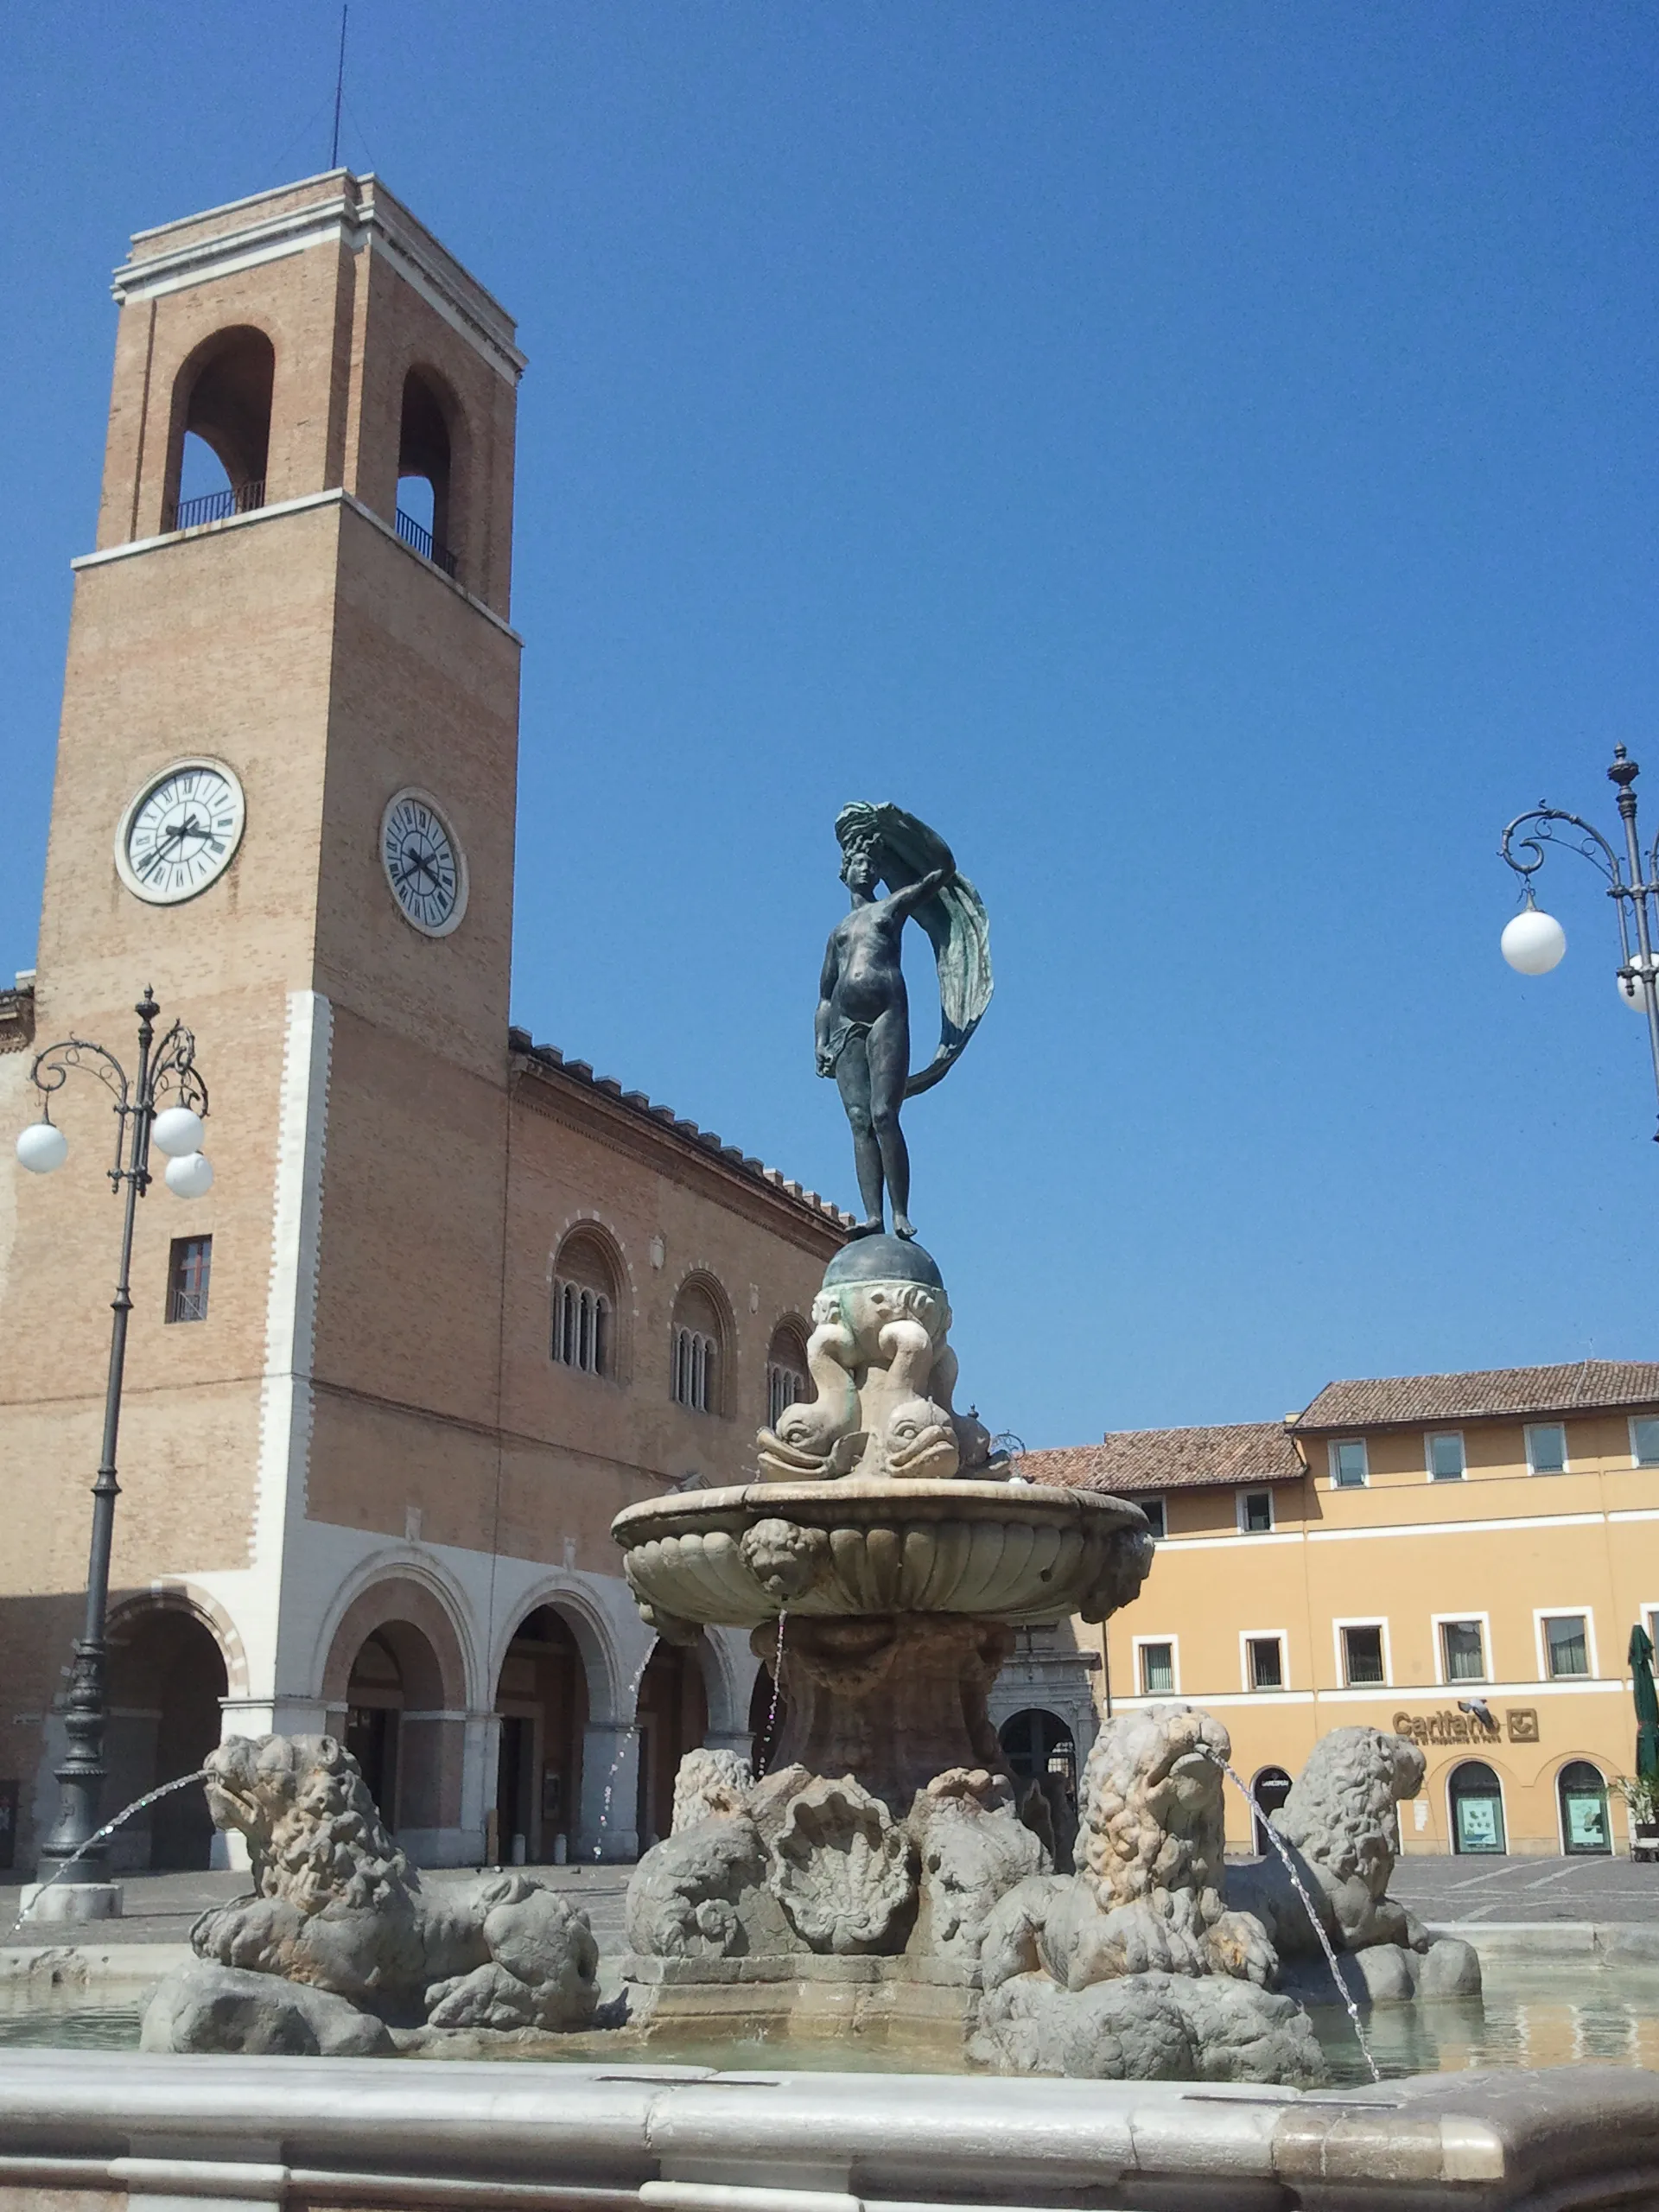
(633, 1707)
(1297, 1884)
(764, 1744)
(138, 1805)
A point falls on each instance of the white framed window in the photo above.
(1363, 1653)
(1445, 1458)
(1462, 1648)
(1262, 1656)
(1158, 1666)
(1254, 1512)
(1644, 1440)
(1566, 1644)
(1546, 1447)
(1351, 1467)
(1154, 1509)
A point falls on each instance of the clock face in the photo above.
(423, 862)
(181, 832)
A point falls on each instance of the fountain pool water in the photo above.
(1529, 2015)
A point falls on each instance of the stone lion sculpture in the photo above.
(1341, 1830)
(1145, 1913)
(338, 1910)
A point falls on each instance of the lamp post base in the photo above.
(61, 1901)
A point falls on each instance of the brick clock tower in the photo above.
(285, 799)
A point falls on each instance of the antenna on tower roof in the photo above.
(340, 88)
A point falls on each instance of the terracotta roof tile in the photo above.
(1408, 1400)
(1171, 1459)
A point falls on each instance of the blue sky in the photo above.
(1203, 459)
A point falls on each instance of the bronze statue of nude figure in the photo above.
(863, 1017)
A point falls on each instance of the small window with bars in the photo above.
(188, 1266)
(1264, 1662)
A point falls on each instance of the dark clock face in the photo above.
(180, 833)
(424, 863)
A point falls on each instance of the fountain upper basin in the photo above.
(1010, 1552)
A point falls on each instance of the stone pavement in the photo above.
(159, 1908)
(1607, 1891)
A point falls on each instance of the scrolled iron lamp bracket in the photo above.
(1534, 942)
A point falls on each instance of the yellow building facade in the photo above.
(1459, 1558)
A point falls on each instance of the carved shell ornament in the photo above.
(842, 1869)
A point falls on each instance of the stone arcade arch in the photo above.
(395, 1685)
(168, 1676)
(222, 395)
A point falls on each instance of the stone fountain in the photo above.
(882, 1561)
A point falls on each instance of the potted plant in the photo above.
(1641, 1795)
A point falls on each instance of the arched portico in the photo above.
(167, 1680)
(395, 1688)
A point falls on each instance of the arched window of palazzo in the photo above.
(697, 1373)
(786, 1377)
(585, 1286)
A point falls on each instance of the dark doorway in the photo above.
(1269, 1788)
(673, 1719)
(542, 1696)
(374, 1699)
(166, 1677)
(1036, 1743)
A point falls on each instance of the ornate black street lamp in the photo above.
(69, 1856)
(1535, 942)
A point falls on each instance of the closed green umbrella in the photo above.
(1647, 1701)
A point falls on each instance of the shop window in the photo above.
(1350, 1468)
(1265, 1663)
(1447, 1463)
(1586, 1829)
(1567, 1650)
(1255, 1511)
(1477, 1799)
(188, 1264)
(1463, 1648)
(1546, 1447)
(1644, 1441)
(1157, 1670)
(1361, 1656)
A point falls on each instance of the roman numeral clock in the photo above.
(424, 864)
(180, 833)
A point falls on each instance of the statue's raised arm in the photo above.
(863, 1019)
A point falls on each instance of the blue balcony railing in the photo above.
(414, 533)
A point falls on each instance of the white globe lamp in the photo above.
(42, 1147)
(1533, 942)
(190, 1176)
(177, 1131)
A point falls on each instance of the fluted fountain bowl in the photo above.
(1007, 1551)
